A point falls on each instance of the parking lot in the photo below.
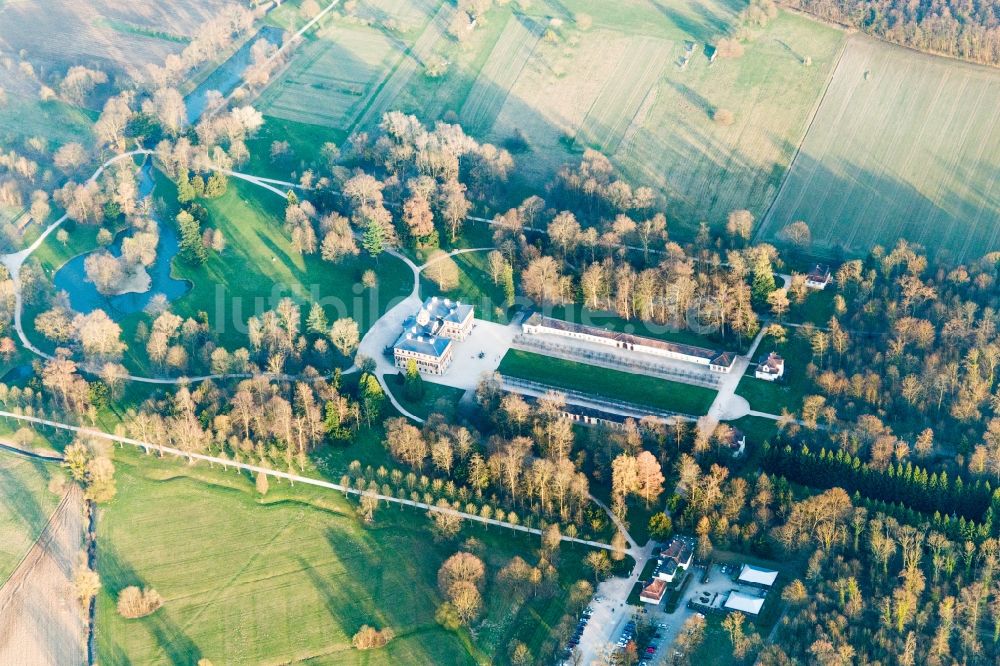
(609, 623)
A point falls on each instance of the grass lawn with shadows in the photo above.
(602, 382)
(291, 577)
(257, 268)
(787, 392)
(475, 286)
(437, 398)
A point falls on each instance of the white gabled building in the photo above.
(716, 361)
(770, 368)
(675, 557)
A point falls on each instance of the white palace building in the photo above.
(428, 337)
(715, 360)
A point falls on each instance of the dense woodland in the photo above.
(964, 29)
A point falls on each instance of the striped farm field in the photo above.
(409, 67)
(904, 145)
(330, 80)
(623, 94)
(509, 55)
(25, 507)
(707, 169)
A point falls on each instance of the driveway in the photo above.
(467, 368)
(611, 612)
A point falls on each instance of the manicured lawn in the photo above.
(787, 392)
(613, 384)
(816, 309)
(716, 649)
(290, 578)
(438, 399)
(475, 286)
(758, 430)
(257, 269)
(25, 506)
(305, 140)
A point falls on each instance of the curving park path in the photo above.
(15, 261)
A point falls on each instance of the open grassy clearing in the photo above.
(437, 399)
(409, 66)
(475, 286)
(25, 506)
(905, 145)
(623, 95)
(787, 392)
(707, 169)
(670, 19)
(602, 382)
(25, 116)
(288, 580)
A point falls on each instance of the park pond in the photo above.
(83, 295)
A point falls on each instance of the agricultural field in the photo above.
(25, 507)
(42, 622)
(509, 56)
(288, 578)
(904, 145)
(708, 169)
(328, 81)
(114, 36)
(578, 75)
(604, 383)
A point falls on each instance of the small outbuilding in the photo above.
(818, 277)
(737, 442)
(654, 592)
(757, 576)
(737, 601)
(770, 368)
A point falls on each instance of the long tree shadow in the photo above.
(25, 506)
(850, 208)
(117, 574)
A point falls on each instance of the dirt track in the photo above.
(40, 620)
